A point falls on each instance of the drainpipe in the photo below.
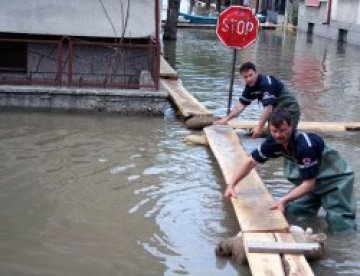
(328, 17)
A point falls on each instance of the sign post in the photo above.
(237, 28)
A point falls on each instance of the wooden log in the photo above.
(263, 263)
(253, 201)
(305, 126)
(186, 103)
(166, 71)
(294, 264)
(282, 247)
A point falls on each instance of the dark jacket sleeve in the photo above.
(265, 151)
(245, 98)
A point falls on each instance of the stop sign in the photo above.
(237, 27)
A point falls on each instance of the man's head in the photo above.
(249, 73)
(280, 126)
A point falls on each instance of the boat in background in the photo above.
(210, 20)
(199, 19)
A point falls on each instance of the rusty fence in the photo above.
(79, 63)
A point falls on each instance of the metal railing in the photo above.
(73, 63)
(24, 76)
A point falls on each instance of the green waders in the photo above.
(287, 101)
(333, 191)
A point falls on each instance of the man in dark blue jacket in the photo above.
(269, 91)
(321, 177)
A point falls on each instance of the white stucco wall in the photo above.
(344, 22)
(346, 11)
(78, 17)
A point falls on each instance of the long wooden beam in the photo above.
(263, 264)
(166, 71)
(187, 104)
(306, 126)
(253, 201)
(295, 264)
(268, 264)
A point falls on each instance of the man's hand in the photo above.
(229, 192)
(304, 188)
(280, 205)
(256, 132)
(221, 121)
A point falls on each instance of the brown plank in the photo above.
(305, 126)
(166, 71)
(263, 263)
(253, 199)
(295, 264)
(186, 103)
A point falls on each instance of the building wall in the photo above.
(85, 18)
(346, 11)
(344, 22)
(90, 63)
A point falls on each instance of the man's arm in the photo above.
(258, 129)
(239, 107)
(304, 188)
(239, 174)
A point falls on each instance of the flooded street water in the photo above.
(101, 194)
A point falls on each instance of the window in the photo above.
(13, 56)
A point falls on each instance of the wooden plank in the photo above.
(295, 264)
(263, 263)
(253, 199)
(305, 126)
(166, 71)
(282, 247)
(186, 103)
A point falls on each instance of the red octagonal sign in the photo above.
(237, 27)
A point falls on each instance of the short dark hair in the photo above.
(247, 66)
(279, 116)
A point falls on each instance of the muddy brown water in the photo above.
(101, 194)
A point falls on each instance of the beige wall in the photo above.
(78, 17)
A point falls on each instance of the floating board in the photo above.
(253, 201)
(166, 71)
(267, 263)
(187, 104)
(263, 264)
(305, 126)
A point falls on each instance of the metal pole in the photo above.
(157, 44)
(231, 82)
